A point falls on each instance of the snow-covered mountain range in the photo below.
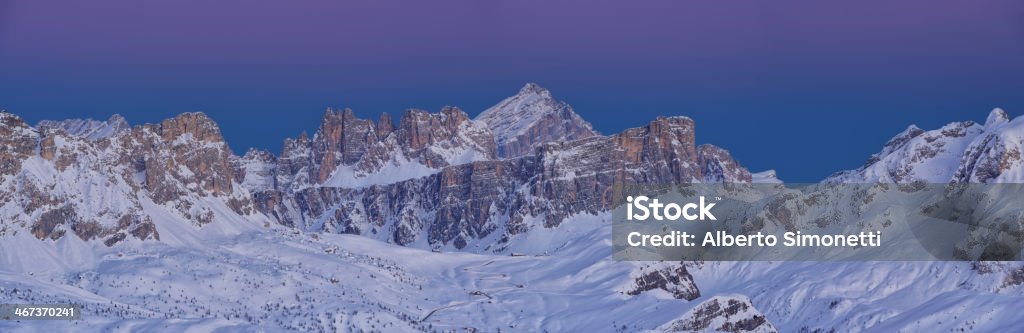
(440, 222)
(961, 152)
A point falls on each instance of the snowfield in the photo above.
(276, 279)
(279, 280)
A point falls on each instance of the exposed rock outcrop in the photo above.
(672, 278)
(733, 314)
(18, 141)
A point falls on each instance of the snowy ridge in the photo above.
(958, 152)
(88, 128)
(765, 177)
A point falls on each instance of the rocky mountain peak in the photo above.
(186, 156)
(895, 143)
(191, 125)
(256, 170)
(419, 128)
(454, 116)
(672, 124)
(718, 166)
(18, 141)
(8, 119)
(13, 122)
(996, 154)
(666, 141)
(293, 146)
(530, 119)
(255, 154)
(385, 125)
(996, 117)
(342, 139)
(117, 119)
(416, 125)
(533, 89)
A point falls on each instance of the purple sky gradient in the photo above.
(789, 76)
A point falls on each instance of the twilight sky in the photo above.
(804, 87)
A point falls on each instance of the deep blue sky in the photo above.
(804, 87)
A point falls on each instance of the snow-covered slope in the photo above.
(874, 296)
(280, 280)
(275, 279)
(531, 118)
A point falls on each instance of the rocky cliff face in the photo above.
(671, 278)
(18, 142)
(347, 151)
(734, 314)
(184, 155)
(341, 139)
(718, 166)
(531, 118)
(96, 187)
(460, 204)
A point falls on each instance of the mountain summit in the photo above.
(531, 118)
